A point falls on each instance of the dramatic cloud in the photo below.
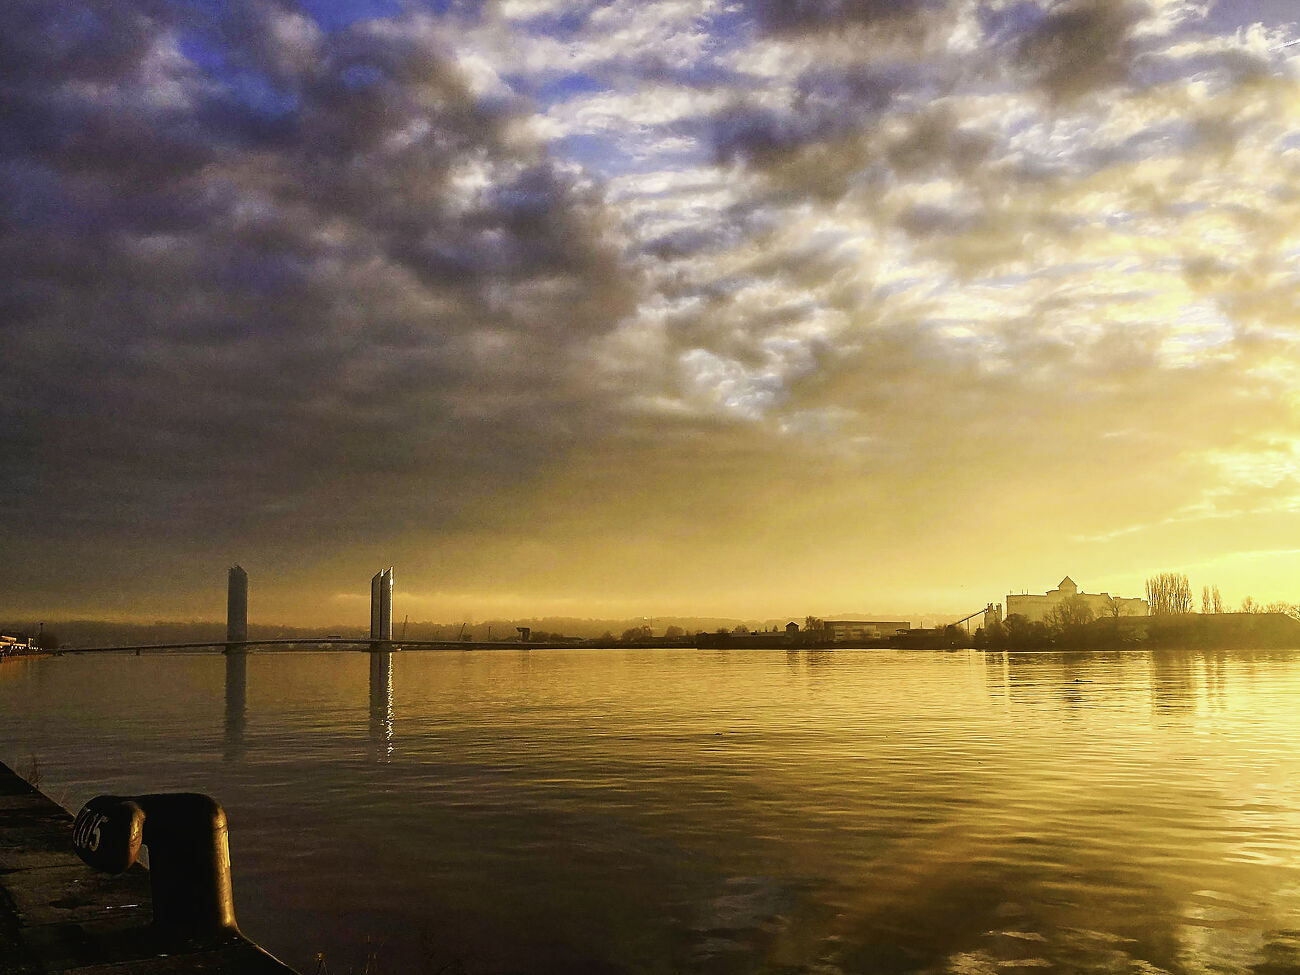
(821, 15)
(912, 295)
(321, 259)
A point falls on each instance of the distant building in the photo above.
(792, 628)
(1035, 607)
(841, 631)
(13, 644)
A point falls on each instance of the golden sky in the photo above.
(646, 307)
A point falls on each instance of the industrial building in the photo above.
(842, 631)
(1034, 606)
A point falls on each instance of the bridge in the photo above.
(362, 644)
(380, 639)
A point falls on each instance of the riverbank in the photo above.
(59, 915)
(1187, 631)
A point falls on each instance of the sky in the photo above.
(645, 307)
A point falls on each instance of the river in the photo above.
(655, 811)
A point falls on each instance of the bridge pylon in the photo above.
(381, 606)
(236, 608)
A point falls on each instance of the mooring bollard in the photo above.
(189, 855)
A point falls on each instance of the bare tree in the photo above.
(1069, 612)
(1249, 605)
(1169, 593)
(1211, 601)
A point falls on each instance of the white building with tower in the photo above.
(1033, 606)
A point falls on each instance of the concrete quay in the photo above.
(57, 915)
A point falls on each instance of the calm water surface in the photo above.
(682, 811)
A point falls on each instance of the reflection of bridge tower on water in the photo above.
(236, 660)
(236, 702)
(381, 705)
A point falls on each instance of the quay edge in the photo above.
(59, 915)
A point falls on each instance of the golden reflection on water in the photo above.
(656, 811)
(236, 703)
(381, 705)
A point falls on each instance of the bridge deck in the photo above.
(330, 643)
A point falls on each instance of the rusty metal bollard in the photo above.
(189, 855)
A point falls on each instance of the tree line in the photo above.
(1170, 594)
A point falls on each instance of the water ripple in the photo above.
(730, 812)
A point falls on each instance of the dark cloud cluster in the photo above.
(252, 273)
(826, 106)
(832, 125)
(798, 16)
(1077, 48)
